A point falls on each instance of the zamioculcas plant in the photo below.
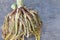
(21, 22)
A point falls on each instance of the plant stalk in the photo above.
(19, 3)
